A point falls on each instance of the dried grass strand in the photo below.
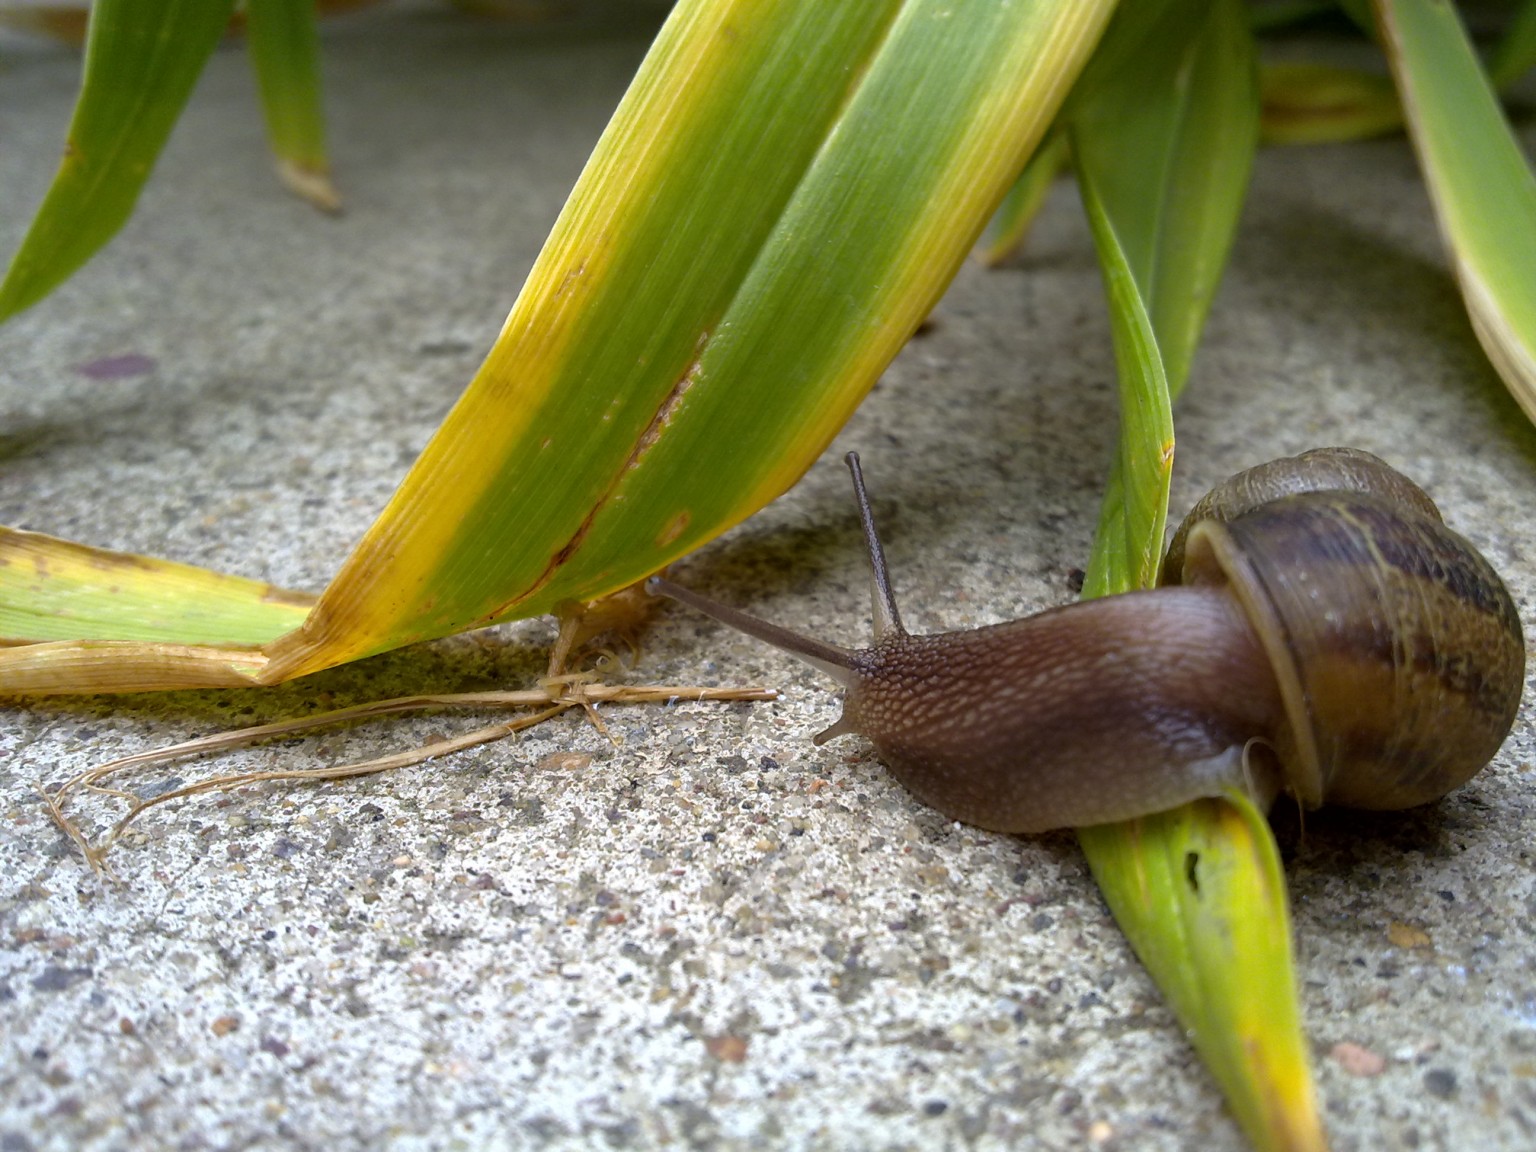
(554, 696)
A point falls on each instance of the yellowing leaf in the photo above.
(779, 200)
(1163, 132)
(1480, 181)
(51, 589)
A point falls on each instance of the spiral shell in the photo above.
(1397, 649)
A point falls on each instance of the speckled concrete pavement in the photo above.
(713, 935)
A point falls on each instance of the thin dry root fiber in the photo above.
(555, 694)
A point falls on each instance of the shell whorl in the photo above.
(1397, 649)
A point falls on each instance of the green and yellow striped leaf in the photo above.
(1163, 132)
(780, 198)
(51, 590)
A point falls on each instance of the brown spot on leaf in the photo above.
(647, 439)
(675, 528)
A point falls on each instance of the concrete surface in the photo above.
(715, 935)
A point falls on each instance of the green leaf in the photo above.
(51, 589)
(1163, 132)
(285, 52)
(1200, 894)
(1479, 180)
(1128, 546)
(142, 58)
(1163, 129)
(1309, 103)
(1516, 52)
(1164, 126)
(778, 202)
(1006, 232)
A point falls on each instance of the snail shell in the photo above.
(1396, 648)
(1326, 636)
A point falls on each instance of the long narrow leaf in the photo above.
(72, 667)
(781, 197)
(141, 59)
(1163, 134)
(1310, 103)
(285, 52)
(1479, 180)
(1516, 51)
(1165, 126)
(54, 590)
(1200, 894)
(1018, 210)
(1128, 545)
(749, 249)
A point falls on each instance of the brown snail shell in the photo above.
(1397, 650)
(1341, 645)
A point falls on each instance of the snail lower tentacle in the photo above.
(1323, 635)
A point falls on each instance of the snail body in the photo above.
(1319, 632)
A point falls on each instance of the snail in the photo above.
(1318, 632)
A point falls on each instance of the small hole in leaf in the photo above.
(1192, 869)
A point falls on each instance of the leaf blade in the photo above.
(1309, 103)
(1006, 233)
(1219, 949)
(1479, 181)
(696, 291)
(1208, 876)
(142, 58)
(285, 53)
(671, 218)
(1128, 544)
(53, 590)
(76, 667)
(1173, 168)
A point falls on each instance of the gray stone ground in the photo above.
(714, 935)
